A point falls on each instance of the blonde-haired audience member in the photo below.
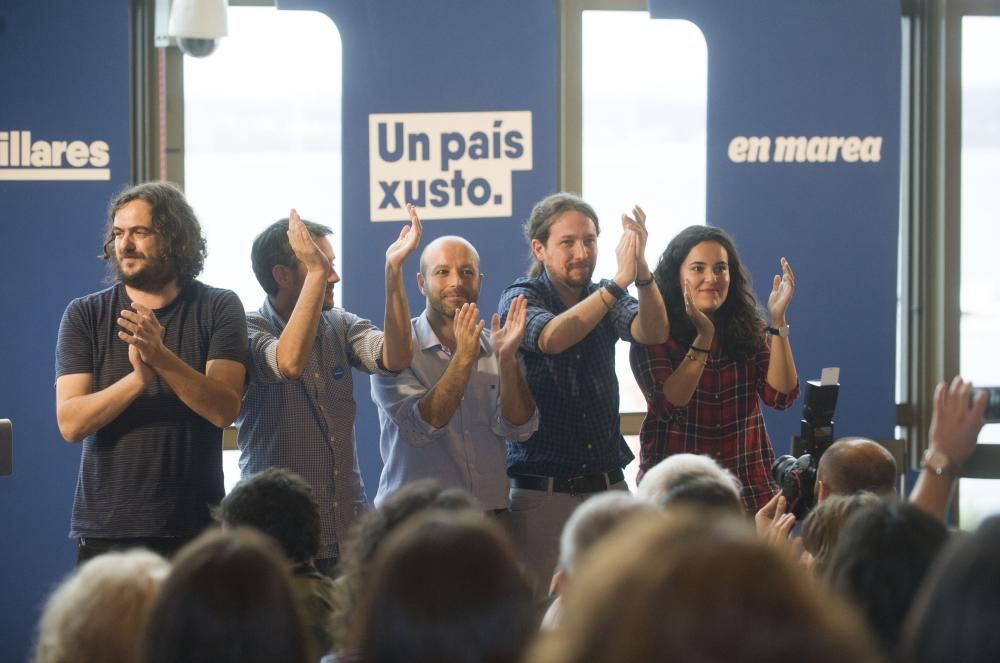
(686, 588)
(99, 613)
(822, 527)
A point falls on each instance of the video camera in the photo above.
(992, 403)
(797, 476)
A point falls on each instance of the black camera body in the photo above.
(797, 475)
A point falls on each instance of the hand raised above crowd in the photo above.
(304, 246)
(406, 243)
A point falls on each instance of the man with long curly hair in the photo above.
(148, 373)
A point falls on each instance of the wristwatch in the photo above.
(781, 331)
(938, 463)
(616, 290)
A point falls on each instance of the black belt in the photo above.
(591, 483)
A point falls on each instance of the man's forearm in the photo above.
(296, 341)
(79, 416)
(209, 397)
(397, 344)
(932, 493)
(516, 403)
(440, 403)
(572, 325)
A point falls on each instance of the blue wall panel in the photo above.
(812, 68)
(63, 76)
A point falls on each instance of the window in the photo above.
(980, 235)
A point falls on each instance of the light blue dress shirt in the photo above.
(470, 452)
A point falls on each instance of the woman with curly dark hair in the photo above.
(703, 387)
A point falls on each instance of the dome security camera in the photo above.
(197, 25)
(197, 48)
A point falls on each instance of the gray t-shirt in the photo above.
(157, 468)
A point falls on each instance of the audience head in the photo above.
(228, 598)
(591, 522)
(98, 614)
(854, 464)
(683, 588)
(823, 525)
(737, 320)
(179, 240)
(446, 588)
(693, 480)
(271, 249)
(956, 612)
(880, 559)
(279, 503)
(371, 530)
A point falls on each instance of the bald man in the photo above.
(853, 464)
(450, 414)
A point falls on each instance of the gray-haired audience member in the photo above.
(955, 615)
(228, 599)
(854, 464)
(279, 503)
(445, 588)
(99, 613)
(691, 479)
(590, 523)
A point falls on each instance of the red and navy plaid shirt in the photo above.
(722, 420)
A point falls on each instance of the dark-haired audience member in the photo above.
(952, 437)
(881, 557)
(446, 588)
(705, 384)
(956, 612)
(573, 325)
(370, 532)
(99, 613)
(148, 373)
(449, 414)
(228, 599)
(691, 480)
(280, 503)
(298, 409)
(682, 588)
(854, 464)
(822, 527)
(589, 524)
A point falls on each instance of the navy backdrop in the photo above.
(776, 68)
